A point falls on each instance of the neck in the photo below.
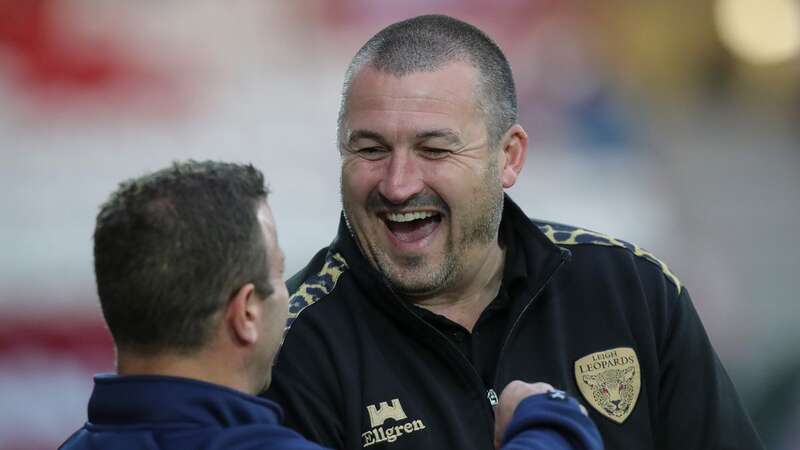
(476, 289)
(196, 366)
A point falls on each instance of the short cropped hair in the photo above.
(171, 247)
(426, 44)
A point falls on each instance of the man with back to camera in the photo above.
(438, 289)
(189, 275)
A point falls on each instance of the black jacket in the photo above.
(595, 316)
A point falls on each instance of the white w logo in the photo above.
(377, 416)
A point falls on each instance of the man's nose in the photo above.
(403, 178)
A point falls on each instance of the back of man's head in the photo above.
(171, 247)
(428, 43)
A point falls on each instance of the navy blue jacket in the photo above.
(146, 412)
(550, 422)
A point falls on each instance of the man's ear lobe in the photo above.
(515, 148)
(243, 314)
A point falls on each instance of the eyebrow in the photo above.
(448, 135)
(366, 134)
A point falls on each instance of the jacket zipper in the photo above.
(565, 255)
(491, 395)
(476, 377)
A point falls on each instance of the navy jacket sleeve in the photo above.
(543, 423)
(699, 407)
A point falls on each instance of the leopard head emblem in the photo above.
(611, 390)
(610, 381)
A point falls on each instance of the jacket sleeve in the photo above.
(698, 407)
(544, 423)
(303, 384)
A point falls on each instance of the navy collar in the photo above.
(169, 401)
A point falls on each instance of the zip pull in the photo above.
(492, 396)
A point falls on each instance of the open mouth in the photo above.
(412, 226)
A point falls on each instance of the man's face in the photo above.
(420, 185)
(276, 306)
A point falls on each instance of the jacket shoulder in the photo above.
(315, 281)
(568, 235)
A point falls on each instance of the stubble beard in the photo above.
(415, 276)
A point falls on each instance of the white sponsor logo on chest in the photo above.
(399, 426)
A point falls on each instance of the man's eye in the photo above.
(434, 153)
(371, 153)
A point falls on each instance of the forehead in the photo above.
(446, 92)
(267, 221)
(264, 215)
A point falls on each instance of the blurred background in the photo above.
(673, 124)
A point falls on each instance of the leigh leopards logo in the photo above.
(610, 381)
(400, 426)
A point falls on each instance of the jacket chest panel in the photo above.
(409, 407)
(531, 358)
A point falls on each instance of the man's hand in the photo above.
(512, 394)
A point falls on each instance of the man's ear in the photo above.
(243, 314)
(514, 145)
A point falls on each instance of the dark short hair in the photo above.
(427, 43)
(171, 247)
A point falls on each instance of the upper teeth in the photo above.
(408, 217)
